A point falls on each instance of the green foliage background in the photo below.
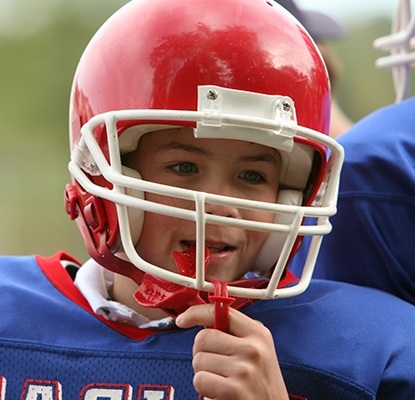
(36, 71)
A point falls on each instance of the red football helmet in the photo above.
(239, 69)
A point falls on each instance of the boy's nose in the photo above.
(223, 210)
(223, 189)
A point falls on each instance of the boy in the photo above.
(203, 145)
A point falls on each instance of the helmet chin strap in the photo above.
(174, 299)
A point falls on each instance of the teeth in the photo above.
(212, 248)
(217, 249)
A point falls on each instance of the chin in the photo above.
(222, 277)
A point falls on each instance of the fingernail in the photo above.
(179, 319)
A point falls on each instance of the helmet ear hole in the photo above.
(274, 243)
(135, 215)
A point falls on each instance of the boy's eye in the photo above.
(184, 168)
(252, 176)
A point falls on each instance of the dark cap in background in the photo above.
(319, 25)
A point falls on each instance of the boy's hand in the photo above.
(239, 365)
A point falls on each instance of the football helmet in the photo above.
(237, 69)
(401, 45)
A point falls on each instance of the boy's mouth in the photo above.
(214, 248)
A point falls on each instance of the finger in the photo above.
(240, 325)
(212, 386)
(214, 341)
(223, 365)
(211, 362)
(200, 315)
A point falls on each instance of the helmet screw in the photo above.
(212, 94)
(286, 106)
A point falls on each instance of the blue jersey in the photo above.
(372, 239)
(336, 342)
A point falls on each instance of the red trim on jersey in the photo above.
(58, 276)
(56, 273)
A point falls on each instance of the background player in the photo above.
(324, 29)
(370, 244)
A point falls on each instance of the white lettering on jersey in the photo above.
(102, 391)
(2, 388)
(155, 392)
(52, 390)
(41, 390)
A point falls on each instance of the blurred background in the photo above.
(40, 44)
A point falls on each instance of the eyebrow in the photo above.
(261, 157)
(264, 157)
(185, 147)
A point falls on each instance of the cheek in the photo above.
(270, 195)
(156, 241)
(161, 235)
(170, 201)
(257, 239)
(259, 216)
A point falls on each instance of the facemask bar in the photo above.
(88, 157)
(401, 44)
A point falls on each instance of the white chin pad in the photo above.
(274, 243)
(135, 215)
